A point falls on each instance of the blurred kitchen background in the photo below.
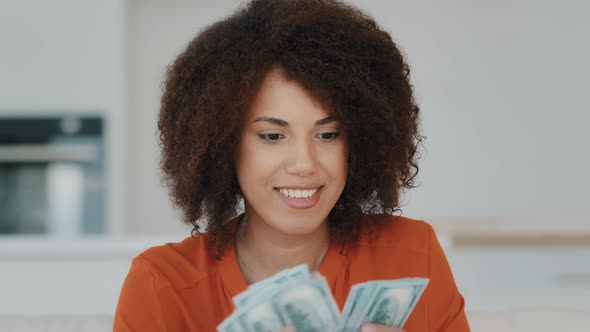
(503, 89)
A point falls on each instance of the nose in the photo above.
(302, 159)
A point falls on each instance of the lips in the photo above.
(300, 203)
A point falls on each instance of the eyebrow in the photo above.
(284, 123)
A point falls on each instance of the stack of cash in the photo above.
(302, 300)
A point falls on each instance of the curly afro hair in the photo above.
(337, 53)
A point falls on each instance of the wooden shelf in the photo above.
(515, 232)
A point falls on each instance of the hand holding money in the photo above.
(297, 299)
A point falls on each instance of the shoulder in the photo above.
(390, 247)
(396, 232)
(177, 265)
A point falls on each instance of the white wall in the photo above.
(500, 85)
(69, 56)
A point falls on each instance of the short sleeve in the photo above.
(138, 309)
(446, 304)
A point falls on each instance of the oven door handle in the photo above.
(23, 153)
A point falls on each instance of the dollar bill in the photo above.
(387, 302)
(306, 305)
(309, 307)
(264, 288)
(229, 325)
(352, 307)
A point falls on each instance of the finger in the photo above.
(379, 328)
(288, 329)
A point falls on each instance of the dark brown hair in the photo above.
(335, 51)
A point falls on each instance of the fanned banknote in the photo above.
(257, 290)
(306, 305)
(296, 298)
(385, 302)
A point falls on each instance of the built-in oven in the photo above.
(52, 175)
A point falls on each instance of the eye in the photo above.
(271, 137)
(328, 136)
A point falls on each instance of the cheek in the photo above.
(343, 166)
(336, 161)
(255, 166)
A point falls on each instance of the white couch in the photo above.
(537, 320)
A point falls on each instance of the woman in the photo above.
(302, 110)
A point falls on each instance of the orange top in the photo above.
(182, 287)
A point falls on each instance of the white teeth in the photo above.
(298, 193)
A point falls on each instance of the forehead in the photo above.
(283, 98)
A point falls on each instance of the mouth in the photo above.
(298, 193)
(299, 198)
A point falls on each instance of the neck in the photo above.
(263, 251)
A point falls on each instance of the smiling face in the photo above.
(291, 160)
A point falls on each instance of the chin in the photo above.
(298, 226)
